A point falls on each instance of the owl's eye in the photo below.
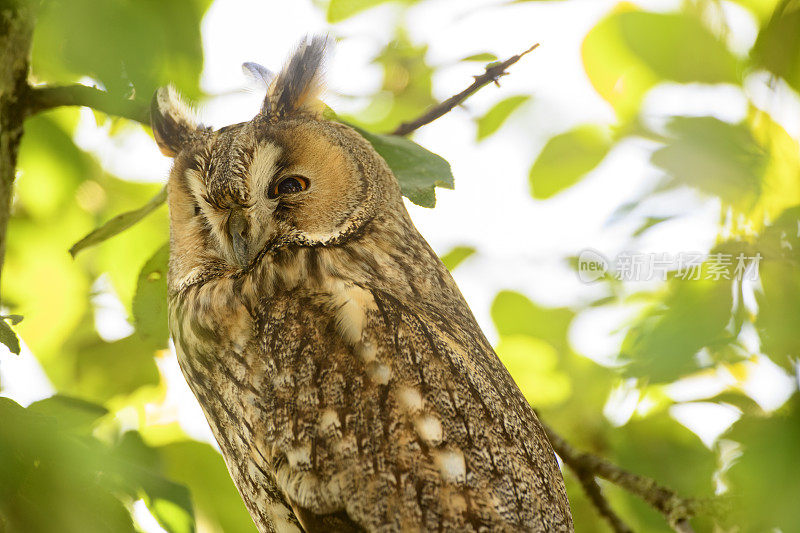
(288, 185)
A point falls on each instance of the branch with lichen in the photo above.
(588, 467)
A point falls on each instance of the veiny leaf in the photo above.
(119, 223)
(150, 301)
(8, 337)
(715, 157)
(456, 256)
(417, 169)
(566, 158)
(498, 114)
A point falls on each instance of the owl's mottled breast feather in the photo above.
(351, 409)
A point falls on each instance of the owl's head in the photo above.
(287, 177)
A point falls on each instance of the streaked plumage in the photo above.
(340, 369)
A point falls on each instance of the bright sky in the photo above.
(519, 240)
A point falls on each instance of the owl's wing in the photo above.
(387, 417)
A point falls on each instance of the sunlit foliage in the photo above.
(88, 453)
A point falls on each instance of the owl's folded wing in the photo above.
(410, 423)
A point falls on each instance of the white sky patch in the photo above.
(110, 315)
(706, 420)
(767, 383)
(622, 402)
(130, 154)
(145, 519)
(22, 378)
(180, 403)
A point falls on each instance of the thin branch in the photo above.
(595, 495)
(676, 510)
(44, 98)
(494, 71)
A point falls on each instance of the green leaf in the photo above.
(649, 223)
(215, 498)
(125, 45)
(497, 115)
(143, 468)
(514, 314)
(678, 47)
(566, 158)
(765, 479)
(70, 413)
(653, 446)
(339, 10)
(74, 477)
(779, 297)
(456, 256)
(778, 45)
(662, 344)
(99, 370)
(715, 157)
(14, 319)
(417, 170)
(119, 223)
(628, 52)
(533, 363)
(150, 301)
(8, 337)
(762, 9)
(483, 57)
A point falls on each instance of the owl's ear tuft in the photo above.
(173, 120)
(297, 88)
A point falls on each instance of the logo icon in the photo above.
(592, 265)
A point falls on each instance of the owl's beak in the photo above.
(237, 229)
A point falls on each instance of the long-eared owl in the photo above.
(342, 373)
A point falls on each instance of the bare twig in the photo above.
(494, 71)
(595, 495)
(43, 98)
(676, 510)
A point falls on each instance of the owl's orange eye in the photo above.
(288, 185)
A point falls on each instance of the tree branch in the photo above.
(676, 510)
(494, 71)
(44, 98)
(16, 30)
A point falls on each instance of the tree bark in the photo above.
(16, 30)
